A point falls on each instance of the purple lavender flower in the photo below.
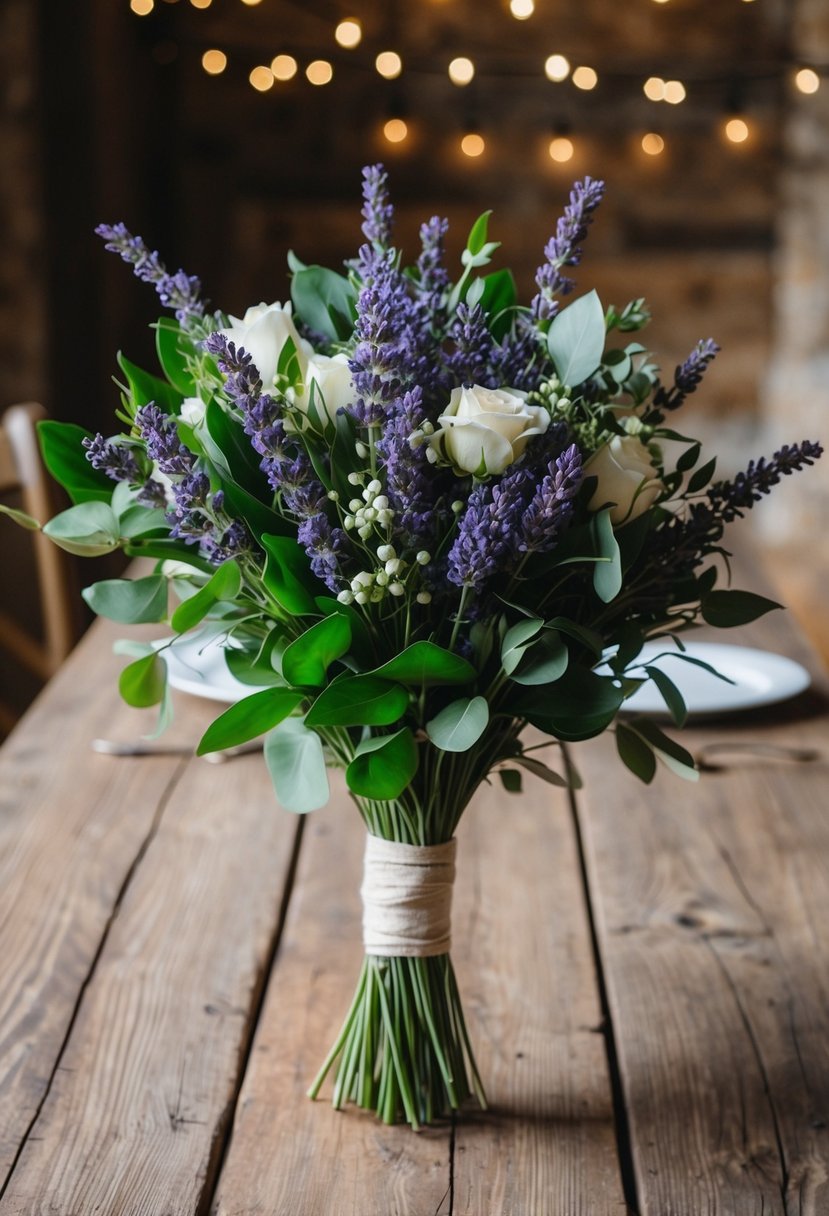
(114, 459)
(188, 516)
(233, 542)
(325, 546)
(687, 376)
(179, 291)
(383, 354)
(563, 249)
(472, 360)
(152, 494)
(377, 212)
(485, 543)
(731, 499)
(521, 360)
(432, 276)
(158, 430)
(551, 507)
(414, 486)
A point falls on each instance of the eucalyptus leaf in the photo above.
(607, 574)
(459, 725)
(671, 753)
(426, 664)
(20, 517)
(670, 694)
(383, 765)
(89, 529)
(249, 718)
(296, 762)
(635, 753)
(223, 585)
(325, 301)
(539, 769)
(576, 339)
(544, 661)
(359, 701)
(306, 660)
(129, 601)
(510, 779)
(725, 609)
(516, 640)
(143, 682)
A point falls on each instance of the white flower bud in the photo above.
(385, 516)
(354, 479)
(424, 597)
(375, 486)
(355, 505)
(361, 597)
(349, 522)
(345, 597)
(365, 532)
(377, 594)
(428, 428)
(423, 558)
(431, 456)
(457, 506)
(361, 449)
(381, 578)
(369, 515)
(380, 502)
(396, 589)
(394, 566)
(386, 552)
(364, 579)
(333, 496)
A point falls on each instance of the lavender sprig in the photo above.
(383, 354)
(485, 543)
(178, 291)
(472, 360)
(114, 459)
(731, 499)
(563, 249)
(158, 430)
(687, 376)
(551, 507)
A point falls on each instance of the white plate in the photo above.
(760, 678)
(197, 665)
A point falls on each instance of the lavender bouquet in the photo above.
(420, 516)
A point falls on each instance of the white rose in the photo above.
(334, 390)
(626, 478)
(192, 411)
(263, 332)
(483, 430)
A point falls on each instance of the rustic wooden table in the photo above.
(645, 971)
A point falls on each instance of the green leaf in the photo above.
(287, 575)
(578, 706)
(20, 517)
(145, 387)
(670, 694)
(172, 344)
(252, 661)
(130, 601)
(593, 642)
(688, 458)
(383, 765)
(544, 661)
(138, 520)
(260, 519)
(576, 339)
(703, 475)
(325, 301)
(510, 779)
(725, 609)
(635, 753)
(143, 683)
(516, 640)
(65, 458)
(359, 701)
(231, 451)
(478, 233)
(460, 725)
(223, 585)
(296, 763)
(361, 640)
(607, 574)
(668, 750)
(539, 769)
(306, 661)
(498, 297)
(87, 530)
(248, 718)
(167, 550)
(424, 663)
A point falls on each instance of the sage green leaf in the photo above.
(252, 662)
(288, 576)
(145, 388)
(478, 233)
(675, 757)
(592, 641)
(607, 574)
(425, 664)
(516, 640)
(510, 779)
(231, 451)
(325, 300)
(20, 517)
(576, 339)
(306, 660)
(383, 765)
(65, 458)
(359, 701)
(578, 706)
(670, 694)
(635, 753)
(223, 585)
(296, 763)
(130, 601)
(87, 530)
(171, 343)
(539, 769)
(138, 521)
(143, 682)
(249, 718)
(460, 725)
(544, 661)
(725, 609)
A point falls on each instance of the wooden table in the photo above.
(645, 972)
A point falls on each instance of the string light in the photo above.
(522, 9)
(214, 62)
(585, 78)
(142, 8)
(319, 71)
(201, 3)
(561, 149)
(654, 88)
(674, 92)
(473, 144)
(284, 67)
(736, 130)
(557, 68)
(653, 144)
(389, 64)
(807, 80)
(461, 71)
(349, 33)
(251, 3)
(261, 78)
(396, 130)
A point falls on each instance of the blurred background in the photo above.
(227, 132)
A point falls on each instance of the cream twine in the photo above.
(407, 898)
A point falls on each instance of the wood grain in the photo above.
(134, 1121)
(289, 1156)
(525, 966)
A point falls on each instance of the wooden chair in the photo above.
(22, 471)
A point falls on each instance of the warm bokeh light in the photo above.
(461, 70)
(214, 62)
(473, 144)
(261, 78)
(389, 64)
(348, 33)
(142, 7)
(557, 68)
(522, 9)
(807, 80)
(585, 78)
(319, 71)
(284, 67)
(395, 130)
(674, 92)
(201, 3)
(654, 88)
(561, 149)
(653, 144)
(251, 3)
(736, 130)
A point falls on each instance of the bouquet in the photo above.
(420, 516)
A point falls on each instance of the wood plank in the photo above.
(133, 1124)
(525, 966)
(289, 1156)
(711, 903)
(71, 825)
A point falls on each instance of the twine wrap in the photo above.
(407, 898)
